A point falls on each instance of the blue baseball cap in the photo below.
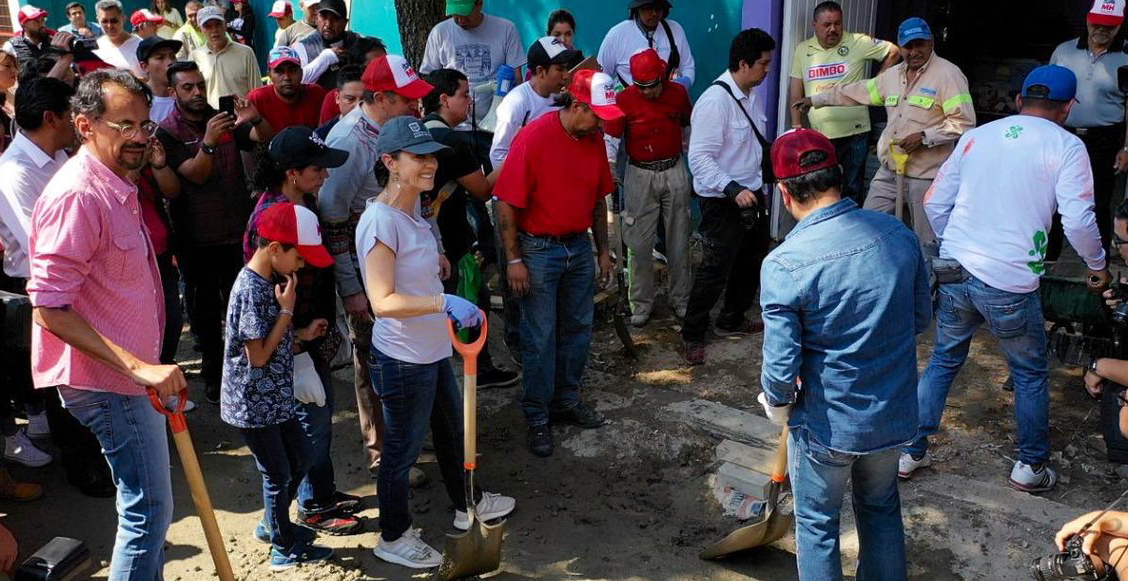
(913, 29)
(1051, 82)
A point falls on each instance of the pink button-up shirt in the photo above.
(90, 252)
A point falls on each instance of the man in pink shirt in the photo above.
(99, 311)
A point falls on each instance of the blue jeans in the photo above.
(317, 491)
(852, 152)
(1016, 321)
(556, 317)
(133, 439)
(282, 455)
(818, 482)
(415, 397)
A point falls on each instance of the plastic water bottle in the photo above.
(506, 78)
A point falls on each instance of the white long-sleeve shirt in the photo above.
(26, 170)
(626, 38)
(992, 203)
(722, 146)
(519, 108)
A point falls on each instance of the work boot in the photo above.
(748, 327)
(693, 352)
(490, 376)
(540, 441)
(18, 448)
(1031, 479)
(37, 426)
(580, 415)
(492, 506)
(409, 550)
(906, 465)
(12, 489)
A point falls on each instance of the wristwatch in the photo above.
(1093, 366)
(208, 149)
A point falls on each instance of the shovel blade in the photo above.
(769, 530)
(474, 552)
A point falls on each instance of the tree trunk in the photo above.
(416, 19)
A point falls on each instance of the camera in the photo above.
(83, 44)
(1070, 564)
(1119, 313)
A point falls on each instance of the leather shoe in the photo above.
(540, 441)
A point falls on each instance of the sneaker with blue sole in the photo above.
(301, 554)
(301, 534)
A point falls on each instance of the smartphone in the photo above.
(227, 104)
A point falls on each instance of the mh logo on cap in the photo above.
(417, 130)
(317, 140)
(407, 69)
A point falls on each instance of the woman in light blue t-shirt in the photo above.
(410, 359)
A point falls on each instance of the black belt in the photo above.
(1117, 129)
(660, 165)
(565, 239)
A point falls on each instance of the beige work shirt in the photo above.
(231, 71)
(938, 103)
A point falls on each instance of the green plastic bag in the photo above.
(469, 281)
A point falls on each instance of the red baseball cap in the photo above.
(281, 9)
(647, 68)
(597, 90)
(30, 12)
(142, 16)
(789, 149)
(393, 73)
(1106, 13)
(287, 223)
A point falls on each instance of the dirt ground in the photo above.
(631, 501)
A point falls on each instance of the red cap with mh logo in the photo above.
(790, 148)
(287, 223)
(1107, 13)
(647, 68)
(597, 90)
(144, 16)
(30, 12)
(393, 73)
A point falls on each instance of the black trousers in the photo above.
(731, 266)
(1102, 143)
(211, 272)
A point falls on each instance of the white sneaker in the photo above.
(906, 465)
(409, 550)
(490, 507)
(1023, 477)
(18, 448)
(37, 426)
(174, 400)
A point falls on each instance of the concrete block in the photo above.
(726, 422)
(757, 459)
(748, 481)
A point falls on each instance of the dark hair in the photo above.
(445, 82)
(90, 98)
(748, 46)
(348, 74)
(261, 242)
(826, 7)
(180, 67)
(37, 67)
(71, 5)
(558, 17)
(805, 187)
(360, 48)
(34, 97)
(1043, 104)
(267, 174)
(563, 100)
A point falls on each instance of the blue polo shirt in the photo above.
(1100, 102)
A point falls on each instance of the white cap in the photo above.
(209, 13)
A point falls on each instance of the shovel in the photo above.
(195, 477)
(478, 550)
(772, 526)
(623, 308)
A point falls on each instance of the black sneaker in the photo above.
(347, 503)
(540, 441)
(212, 393)
(332, 522)
(493, 377)
(581, 415)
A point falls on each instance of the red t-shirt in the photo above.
(281, 114)
(152, 213)
(554, 179)
(329, 108)
(654, 127)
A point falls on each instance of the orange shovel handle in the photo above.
(469, 351)
(175, 417)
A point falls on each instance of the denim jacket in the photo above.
(843, 299)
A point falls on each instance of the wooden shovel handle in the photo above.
(469, 352)
(779, 463)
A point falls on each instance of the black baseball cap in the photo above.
(148, 45)
(335, 6)
(548, 50)
(408, 134)
(298, 146)
(659, 3)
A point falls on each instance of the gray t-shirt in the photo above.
(422, 339)
(477, 53)
(1100, 102)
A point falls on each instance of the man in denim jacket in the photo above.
(843, 299)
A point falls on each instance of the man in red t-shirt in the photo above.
(656, 183)
(552, 189)
(286, 102)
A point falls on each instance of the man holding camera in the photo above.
(35, 39)
(991, 206)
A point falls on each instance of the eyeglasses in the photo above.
(1117, 241)
(130, 131)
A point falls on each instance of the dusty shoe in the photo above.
(409, 550)
(301, 554)
(490, 507)
(640, 319)
(18, 448)
(489, 377)
(581, 415)
(347, 503)
(906, 465)
(12, 489)
(37, 426)
(540, 441)
(749, 327)
(693, 352)
(1032, 479)
(331, 523)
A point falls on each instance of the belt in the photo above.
(1094, 131)
(660, 165)
(565, 239)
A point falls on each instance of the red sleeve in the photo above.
(257, 98)
(516, 179)
(615, 128)
(329, 108)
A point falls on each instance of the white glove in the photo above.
(776, 414)
(307, 385)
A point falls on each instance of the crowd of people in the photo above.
(156, 177)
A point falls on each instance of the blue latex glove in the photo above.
(684, 80)
(463, 312)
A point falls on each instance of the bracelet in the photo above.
(515, 261)
(286, 312)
